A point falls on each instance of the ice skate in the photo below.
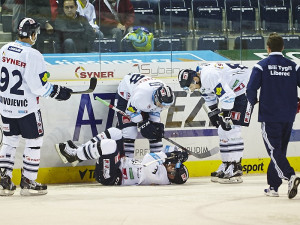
(219, 172)
(232, 175)
(31, 187)
(7, 187)
(293, 186)
(271, 192)
(67, 152)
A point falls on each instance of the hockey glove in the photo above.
(214, 115)
(225, 120)
(61, 93)
(151, 130)
(177, 156)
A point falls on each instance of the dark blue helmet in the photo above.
(164, 95)
(27, 26)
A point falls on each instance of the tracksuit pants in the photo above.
(276, 136)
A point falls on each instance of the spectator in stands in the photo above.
(73, 32)
(116, 17)
(86, 9)
(45, 13)
(18, 12)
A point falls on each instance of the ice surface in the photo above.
(199, 201)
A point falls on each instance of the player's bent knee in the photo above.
(130, 132)
(108, 146)
(115, 133)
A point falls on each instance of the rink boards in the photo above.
(186, 122)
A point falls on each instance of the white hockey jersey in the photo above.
(23, 80)
(134, 173)
(138, 90)
(223, 81)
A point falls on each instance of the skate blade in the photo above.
(75, 163)
(30, 192)
(232, 180)
(214, 179)
(5, 192)
(60, 155)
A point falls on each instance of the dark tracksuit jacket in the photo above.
(277, 78)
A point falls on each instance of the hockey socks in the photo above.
(97, 149)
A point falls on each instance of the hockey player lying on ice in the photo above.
(113, 168)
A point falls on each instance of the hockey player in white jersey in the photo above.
(23, 81)
(160, 168)
(142, 98)
(223, 88)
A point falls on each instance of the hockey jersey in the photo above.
(138, 89)
(23, 80)
(223, 82)
(135, 173)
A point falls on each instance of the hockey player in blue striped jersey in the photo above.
(142, 98)
(113, 168)
(223, 86)
(23, 82)
(277, 78)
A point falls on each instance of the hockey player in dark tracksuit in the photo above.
(277, 78)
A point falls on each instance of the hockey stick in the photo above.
(151, 162)
(93, 84)
(1, 135)
(201, 155)
(112, 107)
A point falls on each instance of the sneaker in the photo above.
(67, 152)
(293, 186)
(233, 174)
(31, 187)
(219, 172)
(271, 192)
(7, 187)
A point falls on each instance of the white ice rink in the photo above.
(197, 202)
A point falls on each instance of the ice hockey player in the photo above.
(142, 98)
(223, 88)
(164, 167)
(24, 80)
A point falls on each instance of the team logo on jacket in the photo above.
(219, 90)
(44, 77)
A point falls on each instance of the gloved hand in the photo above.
(214, 115)
(225, 120)
(177, 156)
(151, 130)
(298, 106)
(61, 93)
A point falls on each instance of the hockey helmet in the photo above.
(164, 95)
(185, 78)
(179, 175)
(28, 26)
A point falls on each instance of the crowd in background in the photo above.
(72, 26)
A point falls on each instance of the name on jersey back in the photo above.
(13, 61)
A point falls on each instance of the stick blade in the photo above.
(93, 84)
(206, 154)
